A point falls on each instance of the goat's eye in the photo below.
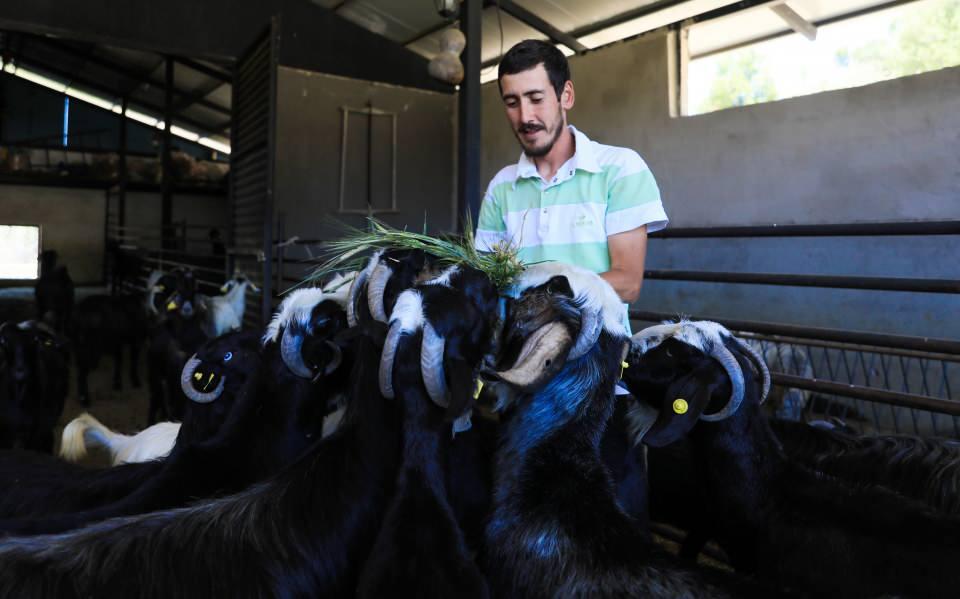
(669, 354)
(228, 357)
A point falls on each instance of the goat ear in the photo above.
(460, 385)
(681, 406)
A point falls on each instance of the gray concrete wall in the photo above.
(884, 152)
(309, 130)
(71, 222)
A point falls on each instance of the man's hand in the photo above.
(628, 253)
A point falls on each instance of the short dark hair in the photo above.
(528, 54)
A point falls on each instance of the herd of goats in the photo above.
(411, 430)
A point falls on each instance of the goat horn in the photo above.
(431, 365)
(186, 383)
(538, 357)
(378, 281)
(359, 282)
(590, 325)
(386, 359)
(760, 363)
(290, 345)
(730, 364)
(337, 358)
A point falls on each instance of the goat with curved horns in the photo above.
(421, 548)
(280, 418)
(557, 529)
(788, 525)
(305, 532)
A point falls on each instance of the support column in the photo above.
(166, 181)
(468, 142)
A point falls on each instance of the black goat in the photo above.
(303, 533)
(388, 273)
(175, 337)
(54, 293)
(37, 487)
(107, 324)
(236, 442)
(421, 548)
(556, 529)
(925, 469)
(33, 385)
(788, 525)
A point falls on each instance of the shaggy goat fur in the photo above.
(303, 533)
(421, 548)
(924, 469)
(788, 525)
(556, 528)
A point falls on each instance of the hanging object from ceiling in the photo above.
(446, 65)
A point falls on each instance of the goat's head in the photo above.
(688, 371)
(388, 273)
(304, 328)
(455, 313)
(181, 299)
(214, 378)
(30, 354)
(557, 317)
(239, 279)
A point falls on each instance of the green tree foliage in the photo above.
(927, 39)
(740, 80)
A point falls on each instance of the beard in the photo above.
(538, 151)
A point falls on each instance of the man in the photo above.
(568, 199)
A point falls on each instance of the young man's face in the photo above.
(535, 113)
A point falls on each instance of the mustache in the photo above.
(530, 128)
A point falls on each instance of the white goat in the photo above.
(149, 444)
(225, 312)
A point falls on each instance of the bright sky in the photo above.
(798, 66)
(19, 249)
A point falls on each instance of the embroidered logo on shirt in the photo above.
(583, 220)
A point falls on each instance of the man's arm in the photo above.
(628, 252)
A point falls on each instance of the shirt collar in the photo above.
(583, 158)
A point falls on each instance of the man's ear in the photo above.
(567, 96)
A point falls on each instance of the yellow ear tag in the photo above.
(171, 306)
(476, 393)
(197, 376)
(161, 287)
(623, 366)
(680, 406)
(223, 289)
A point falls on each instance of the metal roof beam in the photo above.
(204, 69)
(96, 87)
(136, 78)
(525, 16)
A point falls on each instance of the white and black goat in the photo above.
(305, 532)
(921, 468)
(440, 331)
(33, 385)
(86, 431)
(556, 528)
(251, 423)
(790, 526)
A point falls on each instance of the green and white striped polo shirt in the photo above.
(601, 191)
